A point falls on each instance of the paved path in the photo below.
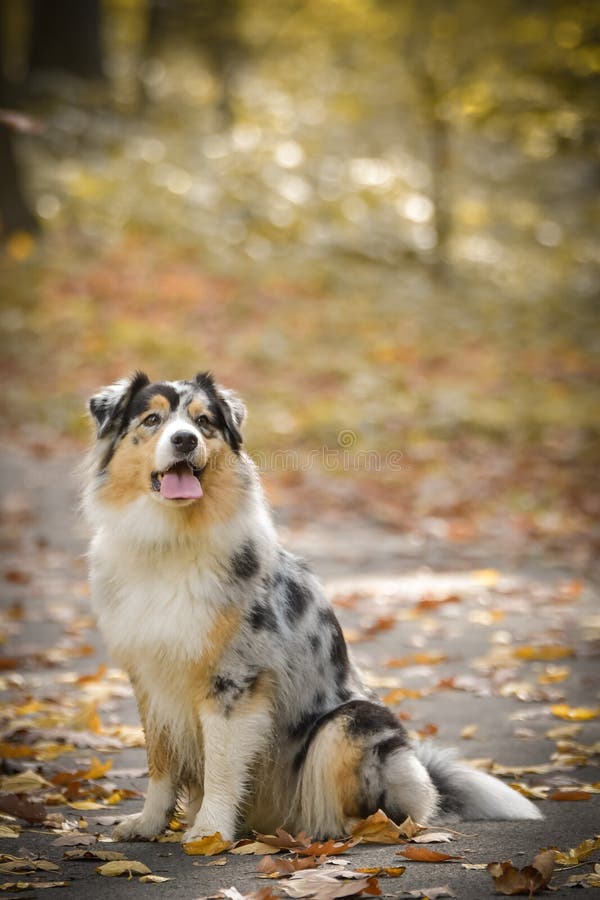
(482, 670)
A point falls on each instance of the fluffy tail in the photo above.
(471, 794)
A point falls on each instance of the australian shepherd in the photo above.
(250, 702)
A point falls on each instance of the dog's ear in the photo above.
(227, 407)
(109, 407)
(234, 413)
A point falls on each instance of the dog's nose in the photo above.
(184, 441)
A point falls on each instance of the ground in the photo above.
(477, 645)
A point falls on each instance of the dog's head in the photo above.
(159, 439)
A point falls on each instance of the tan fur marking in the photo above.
(157, 748)
(159, 403)
(197, 408)
(130, 470)
(345, 769)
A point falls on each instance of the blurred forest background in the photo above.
(376, 215)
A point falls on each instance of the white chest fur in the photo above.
(161, 606)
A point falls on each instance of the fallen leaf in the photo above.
(570, 796)
(416, 659)
(327, 886)
(12, 864)
(543, 653)
(469, 732)
(29, 810)
(221, 861)
(31, 885)
(390, 871)
(83, 853)
(510, 881)
(379, 829)
(562, 732)
(73, 839)
(285, 841)
(587, 880)
(153, 879)
(23, 783)
(399, 694)
(578, 854)
(433, 837)
(210, 845)
(574, 713)
(279, 867)
(424, 854)
(486, 577)
(257, 848)
(95, 770)
(9, 831)
(117, 868)
(327, 848)
(432, 893)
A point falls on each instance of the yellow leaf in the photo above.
(153, 879)
(120, 867)
(210, 845)
(85, 804)
(23, 783)
(574, 713)
(9, 831)
(543, 653)
(576, 855)
(255, 847)
(487, 577)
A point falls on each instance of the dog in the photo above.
(249, 700)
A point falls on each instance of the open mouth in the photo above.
(179, 482)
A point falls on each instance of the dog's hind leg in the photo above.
(358, 759)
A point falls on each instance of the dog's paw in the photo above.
(137, 828)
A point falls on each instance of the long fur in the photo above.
(249, 699)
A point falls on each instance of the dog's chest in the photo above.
(157, 610)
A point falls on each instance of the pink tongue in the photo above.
(176, 486)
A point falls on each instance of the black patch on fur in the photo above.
(220, 410)
(338, 652)
(387, 746)
(143, 398)
(297, 598)
(263, 616)
(244, 561)
(113, 418)
(364, 718)
(304, 725)
(228, 690)
(315, 642)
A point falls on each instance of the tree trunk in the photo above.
(66, 36)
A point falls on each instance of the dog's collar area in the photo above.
(180, 481)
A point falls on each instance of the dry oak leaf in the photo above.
(576, 855)
(128, 867)
(529, 880)
(12, 864)
(379, 829)
(424, 854)
(277, 868)
(327, 848)
(257, 848)
(210, 845)
(390, 871)
(284, 841)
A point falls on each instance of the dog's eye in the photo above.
(202, 421)
(151, 420)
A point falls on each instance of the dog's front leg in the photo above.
(232, 742)
(162, 790)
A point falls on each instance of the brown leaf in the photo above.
(570, 795)
(390, 871)
(575, 855)
(379, 829)
(285, 841)
(327, 848)
(73, 839)
(279, 867)
(28, 810)
(246, 848)
(424, 854)
(511, 881)
(31, 885)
